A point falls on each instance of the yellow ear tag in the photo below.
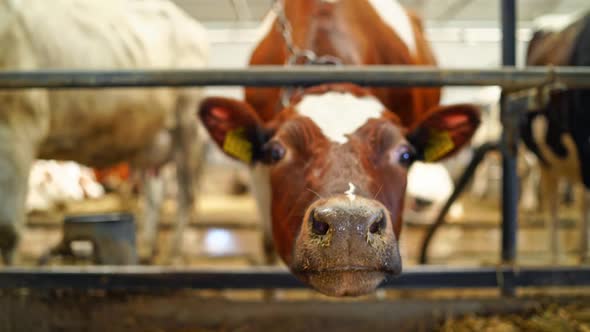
(236, 144)
(439, 143)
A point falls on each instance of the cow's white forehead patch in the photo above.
(338, 114)
(350, 192)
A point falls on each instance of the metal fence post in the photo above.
(509, 148)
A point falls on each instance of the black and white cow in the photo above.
(559, 132)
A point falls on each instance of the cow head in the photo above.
(338, 162)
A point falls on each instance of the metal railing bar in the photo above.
(267, 76)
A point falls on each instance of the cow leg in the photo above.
(187, 178)
(530, 185)
(567, 194)
(549, 183)
(153, 196)
(584, 241)
(480, 187)
(530, 191)
(183, 213)
(189, 156)
(128, 190)
(16, 158)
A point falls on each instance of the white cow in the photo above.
(97, 128)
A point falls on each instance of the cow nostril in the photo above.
(378, 225)
(318, 227)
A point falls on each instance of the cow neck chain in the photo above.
(296, 54)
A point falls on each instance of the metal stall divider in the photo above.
(509, 148)
(269, 76)
(507, 277)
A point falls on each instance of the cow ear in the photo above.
(444, 130)
(234, 126)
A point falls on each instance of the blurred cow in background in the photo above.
(559, 131)
(98, 128)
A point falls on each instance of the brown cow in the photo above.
(330, 167)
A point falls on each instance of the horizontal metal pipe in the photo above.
(265, 76)
(154, 278)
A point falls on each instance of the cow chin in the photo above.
(343, 282)
(348, 279)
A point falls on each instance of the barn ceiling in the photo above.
(437, 11)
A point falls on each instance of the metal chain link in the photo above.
(284, 26)
(309, 56)
(296, 54)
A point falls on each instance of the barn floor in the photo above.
(545, 318)
(67, 311)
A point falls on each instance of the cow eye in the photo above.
(273, 152)
(406, 155)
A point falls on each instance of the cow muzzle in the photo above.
(346, 246)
